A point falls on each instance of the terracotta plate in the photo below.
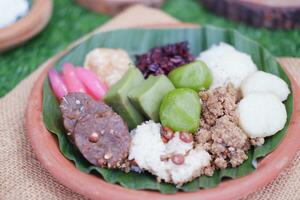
(46, 147)
(28, 26)
(114, 7)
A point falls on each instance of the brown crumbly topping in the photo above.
(237, 157)
(257, 141)
(219, 102)
(208, 171)
(220, 163)
(228, 133)
(219, 132)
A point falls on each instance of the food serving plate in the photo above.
(47, 149)
(28, 26)
(114, 7)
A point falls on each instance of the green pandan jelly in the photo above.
(195, 75)
(117, 97)
(148, 95)
(180, 110)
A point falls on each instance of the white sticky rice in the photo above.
(227, 65)
(265, 83)
(147, 148)
(194, 162)
(261, 114)
(11, 10)
(175, 145)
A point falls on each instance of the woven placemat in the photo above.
(22, 176)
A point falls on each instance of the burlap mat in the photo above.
(21, 175)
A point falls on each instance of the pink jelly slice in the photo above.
(57, 84)
(72, 81)
(94, 86)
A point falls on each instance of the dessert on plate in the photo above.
(167, 112)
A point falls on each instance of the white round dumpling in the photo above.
(227, 65)
(266, 83)
(261, 114)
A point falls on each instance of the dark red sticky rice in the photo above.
(163, 59)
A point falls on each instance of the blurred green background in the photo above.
(70, 21)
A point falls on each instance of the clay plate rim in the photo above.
(113, 7)
(46, 147)
(28, 26)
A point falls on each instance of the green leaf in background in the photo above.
(137, 41)
(70, 21)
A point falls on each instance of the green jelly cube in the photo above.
(180, 110)
(117, 97)
(148, 95)
(195, 75)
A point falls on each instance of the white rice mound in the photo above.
(175, 145)
(194, 162)
(261, 114)
(227, 65)
(11, 11)
(147, 148)
(265, 83)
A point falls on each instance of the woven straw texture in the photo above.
(22, 176)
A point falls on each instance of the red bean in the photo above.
(177, 159)
(186, 137)
(168, 133)
(165, 140)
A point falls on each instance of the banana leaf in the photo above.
(137, 41)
